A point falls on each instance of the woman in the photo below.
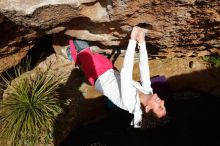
(134, 97)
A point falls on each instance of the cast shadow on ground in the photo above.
(77, 109)
(193, 121)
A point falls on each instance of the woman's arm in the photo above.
(144, 67)
(127, 89)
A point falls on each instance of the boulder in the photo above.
(178, 25)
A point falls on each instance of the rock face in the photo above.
(15, 41)
(178, 25)
(179, 28)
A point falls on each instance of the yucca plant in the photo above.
(30, 106)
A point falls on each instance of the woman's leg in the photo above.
(93, 64)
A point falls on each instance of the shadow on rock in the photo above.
(205, 80)
(77, 109)
(193, 121)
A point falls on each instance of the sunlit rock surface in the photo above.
(179, 26)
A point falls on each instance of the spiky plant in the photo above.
(29, 108)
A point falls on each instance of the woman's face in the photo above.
(157, 105)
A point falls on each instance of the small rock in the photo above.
(192, 54)
(215, 51)
(194, 64)
(204, 53)
(201, 48)
(179, 55)
(126, 28)
(191, 64)
(1, 18)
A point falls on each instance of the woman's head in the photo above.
(150, 120)
(154, 111)
(155, 104)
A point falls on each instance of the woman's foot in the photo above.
(67, 54)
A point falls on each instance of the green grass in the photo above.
(29, 108)
(213, 61)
